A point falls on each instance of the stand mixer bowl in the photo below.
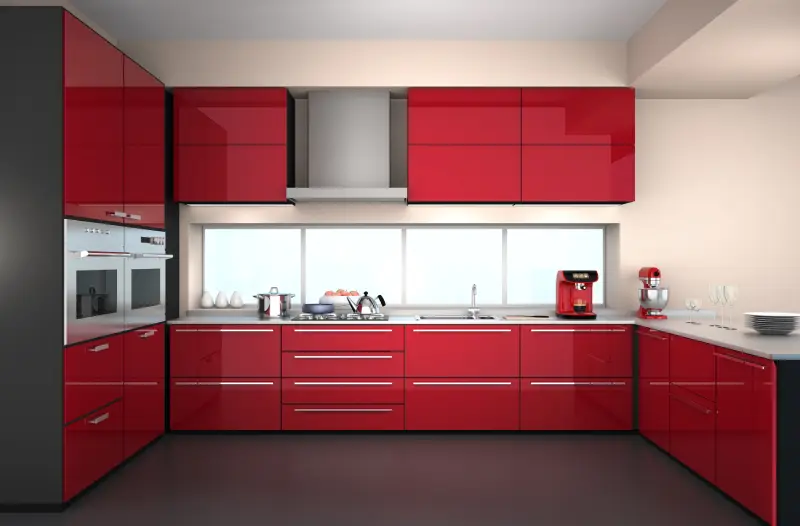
(653, 299)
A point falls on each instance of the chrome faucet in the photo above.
(474, 310)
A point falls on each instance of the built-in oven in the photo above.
(95, 259)
(145, 277)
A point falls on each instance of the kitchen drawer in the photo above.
(342, 391)
(653, 353)
(597, 404)
(576, 351)
(462, 351)
(245, 404)
(462, 404)
(339, 337)
(692, 366)
(325, 417)
(144, 412)
(237, 351)
(342, 365)
(692, 431)
(92, 376)
(144, 353)
(93, 446)
(653, 408)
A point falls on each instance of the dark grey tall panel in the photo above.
(31, 256)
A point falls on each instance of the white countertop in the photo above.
(742, 339)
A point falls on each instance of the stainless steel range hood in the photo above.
(348, 148)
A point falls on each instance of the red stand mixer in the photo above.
(574, 294)
(652, 297)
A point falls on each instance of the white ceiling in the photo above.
(371, 19)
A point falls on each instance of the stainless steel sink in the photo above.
(445, 317)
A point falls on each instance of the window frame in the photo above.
(404, 227)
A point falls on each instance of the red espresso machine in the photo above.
(574, 294)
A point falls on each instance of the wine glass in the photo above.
(713, 296)
(731, 293)
(694, 306)
(722, 301)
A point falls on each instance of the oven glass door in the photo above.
(145, 278)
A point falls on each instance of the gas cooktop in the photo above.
(349, 316)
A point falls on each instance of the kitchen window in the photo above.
(422, 266)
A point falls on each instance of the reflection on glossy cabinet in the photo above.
(240, 351)
(577, 116)
(654, 386)
(230, 404)
(342, 391)
(93, 446)
(567, 351)
(578, 174)
(144, 387)
(692, 430)
(462, 404)
(692, 366)
(342, 417)
(93, 124)
(92, 375)
(568, 404)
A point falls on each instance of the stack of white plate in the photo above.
(772, 323)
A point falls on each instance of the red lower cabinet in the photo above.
(341, 417)
(691, 431)
(93, 446)
(596, 404)
(342, 390)
(342, 364)
(92, 376)
(225, 405)
(144, 413)
(462, 404)
(654, 410)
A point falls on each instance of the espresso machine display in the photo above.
(574, 294)
(652, 296)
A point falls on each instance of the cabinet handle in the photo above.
(342, 410)
(147, 334)
(117, 213)
(153, 256)
(590, 355)
(183, 384)
(343, 330)
(461, 383)
(462, 330)
(235, 330)
(578, 383)
(606, 330)
(343, 357)
(652, 335)
(577, 330)
(133, 217)
(100, 254)
(691, 404)
(235, 383)
(343, 383)
(140, 384)
(737, 360)
(185, 330)
(101, 418)
(101, 347)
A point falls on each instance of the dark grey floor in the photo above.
(388, 480)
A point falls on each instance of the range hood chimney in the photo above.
(348, 147)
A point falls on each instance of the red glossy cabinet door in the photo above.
(93, 124)
(143, 175)
(216, 116)
(578, 174)
(92, 376)
(232, 173)
(342, 391)
(568, 351)
(692, 366)
(93, 446)
(654, 386)
(578, 116)
(463, 174)
(744, 445)
(464, 116)
(342, 365)
(691, 431)
(240, 351)
(459, 351)
(565, 404)
(462, 404)
(322, 337)
(144, 387)
(342, 417)
(230, 404)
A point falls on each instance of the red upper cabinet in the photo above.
(463, 174)
(578, 116)
(215, 116)
(461, 116)
(144, 101)
(93, 124)
(578, 174)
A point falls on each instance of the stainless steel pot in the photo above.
(274, 304)
(653, 299)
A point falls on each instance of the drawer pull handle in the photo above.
(185, 330)
(652, 335)
(462, 330)
(461, 383)
(343, 383)
(343, 357)
(341, 410)
(147, 334)
(737, 360)
(99, 348)
(580, 383)
(578, 330)
(140, 384)
(235, 383)
(101, 418)
(184, 384)
(690, 404)
(592, 356)
(606, 330)
(235, 330)
(343, 330)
